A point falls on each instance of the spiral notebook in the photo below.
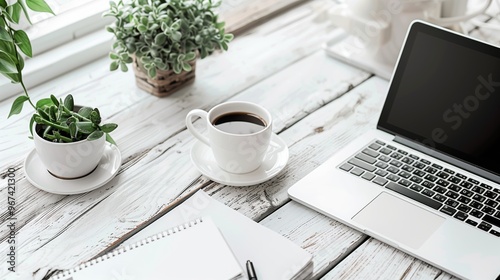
(194, 250)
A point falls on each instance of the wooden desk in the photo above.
(319, 105)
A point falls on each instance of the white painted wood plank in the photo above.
(327, 240)
(376, 260)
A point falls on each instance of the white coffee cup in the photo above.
(238, 133)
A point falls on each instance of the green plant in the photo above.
(60, 123)
(164, 34)
(55, 117)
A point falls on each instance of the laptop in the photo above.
(426, 180)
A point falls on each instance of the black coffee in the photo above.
(239, 123)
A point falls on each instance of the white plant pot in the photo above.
(69, 160)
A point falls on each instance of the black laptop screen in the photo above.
(445, 94)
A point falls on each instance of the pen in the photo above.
(251, 271)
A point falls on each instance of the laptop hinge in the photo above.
(473, 169)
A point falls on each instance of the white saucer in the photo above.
(37, 174)
(274, 161)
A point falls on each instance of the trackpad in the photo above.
(396, 219)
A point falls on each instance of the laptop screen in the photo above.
(445, 94)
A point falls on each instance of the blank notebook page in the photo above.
(196, 250)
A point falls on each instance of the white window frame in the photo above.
(63, 43)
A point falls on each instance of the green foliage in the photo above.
(61, 123)
(164, 34)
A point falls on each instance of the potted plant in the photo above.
(163, 38)
(68, 139)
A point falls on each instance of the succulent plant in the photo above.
(61, 123)
(164, 34)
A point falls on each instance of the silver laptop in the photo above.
(426, 180)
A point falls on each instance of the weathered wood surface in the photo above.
(318, 104)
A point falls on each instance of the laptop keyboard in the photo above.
(445, 190)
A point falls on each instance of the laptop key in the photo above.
(416, 179)
(440, 197)
(475, 204)
(346, 167)
(442, 175)
(491, 203)
(370, 153)
(357, 171)
(391, 147)
(476, 213)
(416, 187)
(368, 176)
(464, 208)
(476, 182)
(393, 169)
(385, 151)
(393, 178)
(448, 210)
(425, 161)
(461, 216)
(490, 194)
(413, 195)
(466, 185)
(428, 192)
(366, 158)
(464, 199)
(488, 210)
(428, 184)
(384, 158)
(449, 171)
(454, 180)
(471, 222)
(495, 233)
(381, 165)
(419, 173)
(375, 146)
(466, 192)
(414, 157)
(419, 165)
(484, 226)
(461, 176)
(380, 181)
(492, 220)
(454, 188)
(381, 143)
(435, 165)
(408, 168)
(381, 173)
(360, 164)
(488, 187)
(405, 183)
(479, 198)
(452, 203)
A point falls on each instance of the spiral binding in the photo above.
(114, 253)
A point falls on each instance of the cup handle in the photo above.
(189, 124)
(453, 20)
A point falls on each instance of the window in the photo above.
(74, 36)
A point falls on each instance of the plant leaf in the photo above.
(69, 103)
(73, 130)
(39, 6)
(86, 127)
(186, 66)
(85, 112)
(95, 135)
(109, 127)
(110, 139)
(23, 42)
(54, 100)
(43, 114)
(13, 77)
(44, 102)
(4, 35)
(17, 106)
(114, 65)
(15, 12)
(25, 10)
(6, 64)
